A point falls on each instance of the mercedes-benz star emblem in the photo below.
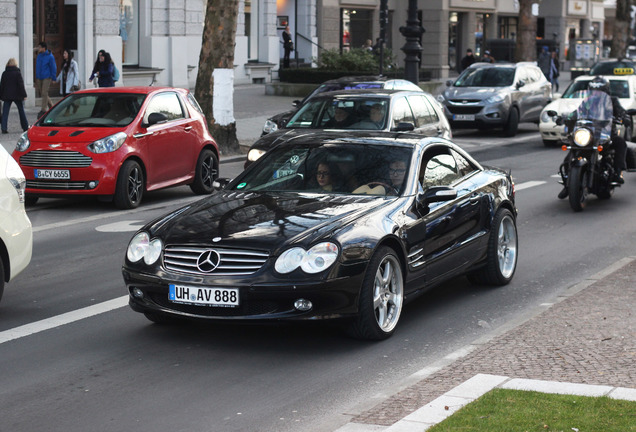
(208, 261)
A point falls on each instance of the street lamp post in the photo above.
(412, 32)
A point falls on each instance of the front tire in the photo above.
(577, 188)
(207, 170)
(381, 297)
(130, 186)
(501, 258)
(510, 129)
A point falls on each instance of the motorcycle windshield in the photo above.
(596, 107)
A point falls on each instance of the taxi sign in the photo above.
(624, 71)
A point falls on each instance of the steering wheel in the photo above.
(386, 187)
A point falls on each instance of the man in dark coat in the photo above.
(288, 46)
(468, 59)
(12, 91)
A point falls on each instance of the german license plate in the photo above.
(203, 296)
(52, 174)
(464, 117)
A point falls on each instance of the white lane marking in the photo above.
(60, 320)
(122, 226)
(528, 184)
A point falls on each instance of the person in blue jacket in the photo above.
(103, 70)
(45, 72)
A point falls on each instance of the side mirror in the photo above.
(438, 194)
(295, 103)
(449, 83)
(520, 84)
(155, 118)
(403, 127)
(631, 111)
(221, 183)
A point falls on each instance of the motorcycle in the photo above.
(589, 167)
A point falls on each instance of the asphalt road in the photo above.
(74, 357)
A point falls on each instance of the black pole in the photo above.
(384, 21)
(412, 32)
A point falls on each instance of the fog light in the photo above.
(92, 184)
(303, 305)
(137, 293)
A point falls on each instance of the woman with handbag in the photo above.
(69, 75)
(12, 91)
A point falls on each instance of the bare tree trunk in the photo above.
(214, 88)
(526, 48)
(621, 28)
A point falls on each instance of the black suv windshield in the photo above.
(486, 77)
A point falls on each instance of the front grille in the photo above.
(183, 259)
(55, 159)
(56, 185)
(462, 109)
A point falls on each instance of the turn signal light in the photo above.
(564, 147)
(600, 148)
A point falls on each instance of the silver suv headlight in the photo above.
(497, 98)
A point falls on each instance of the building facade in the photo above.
(158, 41)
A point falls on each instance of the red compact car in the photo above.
(118, 142)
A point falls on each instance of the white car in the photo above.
(16, 235)
(621, 86)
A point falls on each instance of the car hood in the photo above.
(563, 106)
(265, 221)
(475, 93)
(68, 135)
(281, 118)
(268, 141)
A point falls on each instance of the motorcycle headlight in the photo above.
(582, 137)
(270, 127)
(142, 247)
(255, 154)
(315, 260)
(23, 142)
(108, 144)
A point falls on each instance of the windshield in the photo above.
(342, 113)
(578, 89)
(597, 107)
(330, 168)
(95, 109)
(486, 77)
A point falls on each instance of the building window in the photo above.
(356, 25)
(129, 31)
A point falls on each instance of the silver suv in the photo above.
(496, 95)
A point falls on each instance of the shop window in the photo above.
(129, 31)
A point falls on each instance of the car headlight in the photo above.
(255, 154)
(582, 137)
(23, 142)
(16, 177)
(142, 247)
(545, 117)
(316, 259)
(495, 99)
(108, 144)
(269, 127)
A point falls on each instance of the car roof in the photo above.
(614, 67)
(360, 93)
(358, 79)
(480, 65)
(131, 89)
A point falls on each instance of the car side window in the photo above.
(402, 112)
(423, 112)
(166, 103)
(438, 168)
(464, 166)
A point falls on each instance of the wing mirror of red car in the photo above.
(155, 118)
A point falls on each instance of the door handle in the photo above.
(187, 128)
(475, 198)
(139, 135)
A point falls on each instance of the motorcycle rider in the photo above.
(618, 142)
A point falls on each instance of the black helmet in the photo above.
(601, 84)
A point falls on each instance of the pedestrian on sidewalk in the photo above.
(69, 75)
(45, 72)
(288, 46)
(103, 70)
(12, 91)
(554, 71)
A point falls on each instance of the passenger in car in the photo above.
(374, 121)
(341, 119)
(327, 177)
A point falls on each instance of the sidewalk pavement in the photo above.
(584, 342)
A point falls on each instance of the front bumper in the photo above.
(476, 114)
(551, 132)
(331, 299)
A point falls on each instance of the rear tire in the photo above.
(207, 170)
(381, 297)
(501, 258)
(577, 189)
(510, 129)
(1, 279)
(130, 186)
